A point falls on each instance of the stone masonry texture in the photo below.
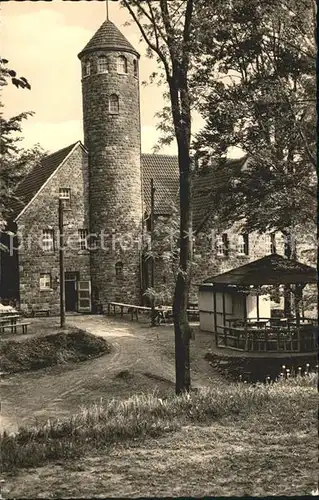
(115, 195)
(42, 214)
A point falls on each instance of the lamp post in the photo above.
(61, 265)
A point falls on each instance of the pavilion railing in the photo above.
(263, 337)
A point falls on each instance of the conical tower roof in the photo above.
(108, 37)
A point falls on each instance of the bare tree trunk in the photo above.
(176, 61)
(182, 124)
(290, 253)
(181, 325)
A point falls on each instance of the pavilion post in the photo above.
(215, 318)
(245, 309)
(298, 299)
(245, 321)
(224, 319)
(287, 301)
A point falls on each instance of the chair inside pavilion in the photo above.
(236, 308)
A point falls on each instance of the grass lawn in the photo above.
(233, 440)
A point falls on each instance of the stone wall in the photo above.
(42, 214)
(113, 141)
(241, 367)
(208, 263)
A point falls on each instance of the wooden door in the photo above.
(71, 279)
(84, 296)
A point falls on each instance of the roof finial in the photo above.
(107, 9)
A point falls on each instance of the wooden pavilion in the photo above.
(235, 307)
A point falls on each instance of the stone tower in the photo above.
(111, 120)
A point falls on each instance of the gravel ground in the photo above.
(142, 359)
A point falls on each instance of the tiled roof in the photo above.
(163, 169)
(270, 270)
(209, 180)
(37, 177)
(108, 37)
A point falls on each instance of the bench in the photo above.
(193, 313)
(13, 327)
(134, 310)
(9, 320)
(161, 313)
(44, 311)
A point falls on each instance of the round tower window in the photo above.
(121, 64)
(113, 104)
(102, 65)
(135, 67)
(119, 269)
(87, 68)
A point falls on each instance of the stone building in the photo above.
(105, 185)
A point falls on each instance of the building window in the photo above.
(135, 67)
(83, 242)
(242, 244)
(45, 281)
(87, 69)
(119, 269)
(102, 65)
(222, 245)
(92, 242)
(48, 240)
(113, 104)
(121, 64)
(65, 195)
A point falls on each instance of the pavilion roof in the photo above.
(270, 270)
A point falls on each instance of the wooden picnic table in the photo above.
(10, 322)
(9, 318)
(134, 309)
(162, 312)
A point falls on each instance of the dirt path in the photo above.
(142, 359)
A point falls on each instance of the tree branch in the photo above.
(311, 157)
(156, 49)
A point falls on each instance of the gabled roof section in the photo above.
(270, 270)
(108, 37)
(209, 180)
(39, 175)
(165, 173)
(163, 169)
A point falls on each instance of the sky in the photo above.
(41, 40)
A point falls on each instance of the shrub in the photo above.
(41, 352)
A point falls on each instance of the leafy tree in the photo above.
(9, 74)
(27, 159)
(260, 96)
(11, 171)
(164, 251)
(166, 27)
